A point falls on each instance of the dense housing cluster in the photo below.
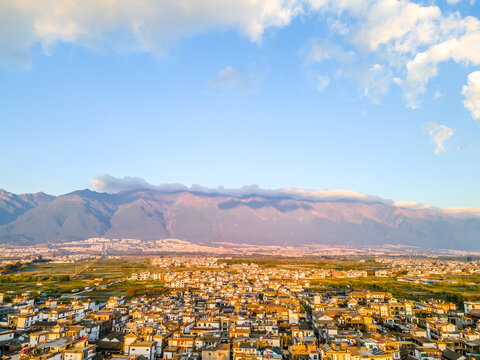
(240, 311)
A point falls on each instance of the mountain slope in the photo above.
(12, 206)
(253, 219)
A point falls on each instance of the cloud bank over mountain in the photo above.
(110, 184)
(283, 217)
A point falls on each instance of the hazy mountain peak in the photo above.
(270, 218)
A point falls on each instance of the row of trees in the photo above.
(11, 268)
(153, 291)
(32, 278)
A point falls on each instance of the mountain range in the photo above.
(209, 217)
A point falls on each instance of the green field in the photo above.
(49, 278)
(102, 278)
(453, 292)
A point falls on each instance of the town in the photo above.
(215, 308)
(240, 180)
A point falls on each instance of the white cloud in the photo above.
(405, 39)
(108, 183)
(410, 205)
(404, 23)
(375, 81)
(321, 82)
(330, 194)
(338, 27)
(408, 40)
(130, 25)
(462, 211)
(227, 78)
(454, 211)
(439, 134)
(471, 91)
(424, 66)
(320, 49)
(455, 2)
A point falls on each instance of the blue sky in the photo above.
(306, 95)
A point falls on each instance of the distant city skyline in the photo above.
(381, 97)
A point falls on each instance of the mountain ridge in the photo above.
(151, 214)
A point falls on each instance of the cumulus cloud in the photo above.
(471, 91)
(406, 40)
(373, 79)
(130, 25)
(424, 66)
(439, 134)
(437, 95)
(403, 24)
(321, 82)
(455, 2)
(401, 40)
(227, 78)
(320, 49)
